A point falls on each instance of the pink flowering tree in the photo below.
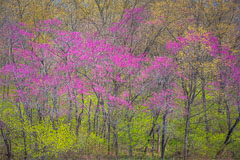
(37, 73)
(110, 77)
(160, 77)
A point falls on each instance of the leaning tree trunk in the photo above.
(235, 124)
(231, 130)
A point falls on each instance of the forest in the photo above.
(119, 79)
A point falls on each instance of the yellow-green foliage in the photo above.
(42, 139)
(50, 140)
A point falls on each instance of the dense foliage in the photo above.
(146, 79)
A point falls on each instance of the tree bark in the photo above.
(231, 130)
(186, 132)
(130, 139)
(70, 111)
(96, 119)
(79, 121)
(205, 108)
(89, 115)
(25, 145)
(229, 122)
(158, 142)
(7, 142)
(109, 131)
(153, 142)
(235, 124)
(116, 141)
(164, 130)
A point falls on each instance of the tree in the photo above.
(160, 76)
(196, 55)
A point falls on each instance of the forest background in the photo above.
(119, 79)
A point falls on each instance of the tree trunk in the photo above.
(70, 111)
(229, 122)
(97, 125)
(205, 108)
(190, 92)
(89, 116)
(164, 131)
(235, 124)
(4, 90)
(55, 109)
(231, 130)
(79, 121)
(109, 131)
(105, 119)
(7, 143)
(116, 141)
(186, 131)
(152, 130)
(130, 139)
(153, 142)
(158, 142)
(24, 134)
(25, 145)
(76, 111)
(96, 119)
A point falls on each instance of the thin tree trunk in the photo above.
(153, 142)
(97, 125)
(231, 130)
(190, 92)
(130, 139)
(205, 108)
(3, 93)
(235, 124)
(76, 111)
(151, 132)
(8, 90)
(116, 141)
(24, 134)
(70, 111)
(7, 143)
(25, 145)
(186, 131)
(79, 121)
(229, 122)
(164, 130)
(79, 118)
(4, 90)
(55, 110)
(158, 142)
(103, 133)
(96, 119)
(109, 131)
(89, 115)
